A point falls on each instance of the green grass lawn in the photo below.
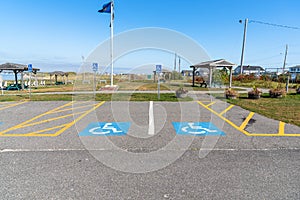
(286, 109)
(99, 97)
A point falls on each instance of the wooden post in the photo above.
(194, 69)
(230, 77)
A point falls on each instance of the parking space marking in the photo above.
(151, 119)
(59, 128)
(245, 123)
(281, 128)
(197, 129)
(241, 128)
(106, 129)
(210, 104)
(226, 110)
(9, 105)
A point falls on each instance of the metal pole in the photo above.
(175, 63)
(94, 88)
(284, 62)
(158, 87)
(112, 43)
(30, 84)
(179, 63)
(244, 43)
(287, 83)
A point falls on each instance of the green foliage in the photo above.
(176, 75)
(283, 109)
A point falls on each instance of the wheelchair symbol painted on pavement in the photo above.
(106, 129)
(197, 128)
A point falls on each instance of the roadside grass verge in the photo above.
(99, 97)
(286, 109)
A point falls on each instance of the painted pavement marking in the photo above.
(197, 128)
(60, 128)
(6, 105)
(151, 119)
(241, 128)
(106, 129)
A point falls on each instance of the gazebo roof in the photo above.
(60, 73)
(214, 63)
(16, 67)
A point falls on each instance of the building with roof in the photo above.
(17, 68)
(211, 65)
(295, 69)
(248, 69)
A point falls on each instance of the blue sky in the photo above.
(54, 34)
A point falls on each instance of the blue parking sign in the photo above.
(95, 67)
(29, 67)
(158, 68)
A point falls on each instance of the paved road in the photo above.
(44, 154)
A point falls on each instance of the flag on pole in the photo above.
(106, 8)
(109, 8)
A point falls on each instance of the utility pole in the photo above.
(179, 63)
(174, 71)
(285, 56)
(175, 62)
(244, 43)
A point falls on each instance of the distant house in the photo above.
(295, 69)
(248, 69)
(187, 72)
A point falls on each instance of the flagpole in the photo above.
(112, 43)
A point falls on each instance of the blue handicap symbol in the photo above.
(197, 128)
(106, 129)
(1, 123)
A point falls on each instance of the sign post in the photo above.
(30, 73)
(158, 71)
(95, 69)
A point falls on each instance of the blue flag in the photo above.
(106, 8)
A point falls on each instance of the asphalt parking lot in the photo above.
(204, 149)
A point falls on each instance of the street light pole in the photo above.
(244, 43)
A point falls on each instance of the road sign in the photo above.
(29, 67)
(158, 68)
(293, 76)
(95, 67)
(197, 128)
(106, 129)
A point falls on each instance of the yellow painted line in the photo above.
(34, 118)
(275, 135)
(13, 105)
(52, 119)
(281, 128)
(36, 132)
(210, 104)
(245, 123)
(78, 118)
(225, 119)
(241, 128)
(65, 126)
(226, 110)
(44, 130)
(74, 108)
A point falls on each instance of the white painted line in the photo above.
(151, 119)
(205, 149)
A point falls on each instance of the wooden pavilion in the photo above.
(211, 65)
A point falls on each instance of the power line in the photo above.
(276, 25)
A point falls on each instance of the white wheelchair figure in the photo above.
(106, 129)
(197, 130)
